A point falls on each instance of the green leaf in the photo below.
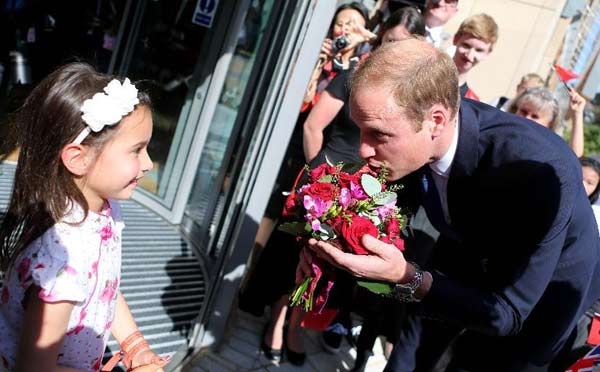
(326, 179)
(381, 288)
(385, 197)
(326, 232)
(350, 167)
(370, 184)
(294, 228)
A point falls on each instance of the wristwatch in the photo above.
(406, 292)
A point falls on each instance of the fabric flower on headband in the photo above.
(108, 108)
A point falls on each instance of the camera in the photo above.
(339, 43)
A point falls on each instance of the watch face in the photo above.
(404, 289)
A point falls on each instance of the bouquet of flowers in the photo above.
(340, 207)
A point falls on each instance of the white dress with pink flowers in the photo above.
(73, 262)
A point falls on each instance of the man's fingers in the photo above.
(374, 245)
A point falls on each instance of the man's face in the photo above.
(469, 52)
(387, 137)
(442, 11)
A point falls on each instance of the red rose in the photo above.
(392, 227)
(354, 231)
(320, 171)
(336, 224)
(398, 242)
(344, 179)
(321, 190)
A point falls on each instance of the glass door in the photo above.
(164, 49)
(220, 149)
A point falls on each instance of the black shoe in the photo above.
(331, 341)
(295, 358)
(273, 355)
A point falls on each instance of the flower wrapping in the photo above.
(340, 207)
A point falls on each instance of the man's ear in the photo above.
(439, 116)
(76, 158)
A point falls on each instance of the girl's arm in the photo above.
(576, 106)
(44, 328)
(319, 118)
(124, 325)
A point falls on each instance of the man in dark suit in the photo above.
(516, 263)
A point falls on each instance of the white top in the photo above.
(596, 209)
(80, 263)
(441, 171)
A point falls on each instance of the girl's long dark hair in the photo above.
(44, 189)
(409, 17)
(592, 163)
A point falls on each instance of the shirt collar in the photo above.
(442, 166)
(435, 34)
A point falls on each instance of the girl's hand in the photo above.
(149, 368)
(149, 358)
(576, 101)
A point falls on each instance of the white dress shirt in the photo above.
(441, 171)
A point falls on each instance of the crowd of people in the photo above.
(501, 258)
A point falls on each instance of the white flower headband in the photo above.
(108, 108)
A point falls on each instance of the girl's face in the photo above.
(590, 179)
(395, 34)
(343, 22)
(122, 162)
(542, 115)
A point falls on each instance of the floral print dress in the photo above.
(80, 263)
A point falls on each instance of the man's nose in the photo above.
(365, 150)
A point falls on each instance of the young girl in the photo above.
(83, 139)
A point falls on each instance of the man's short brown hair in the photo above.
(417, 74)
(480, 26)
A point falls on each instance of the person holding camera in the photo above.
(346, 42)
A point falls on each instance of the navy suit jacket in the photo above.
(525, 263)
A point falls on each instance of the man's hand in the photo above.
(385, 263)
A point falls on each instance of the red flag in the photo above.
(563, 74)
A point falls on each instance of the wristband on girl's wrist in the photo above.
(130, 347)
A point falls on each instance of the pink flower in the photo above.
(109, 292)
(48, 296)
(316, 206)
(316, 225)
(4, 297)
(345, 197)
(97, 365)
(23, 269)
(79, 327)
(106, 233)
(386, 210)
(358, 192)
(70, 270)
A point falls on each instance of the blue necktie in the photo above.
(433, 205)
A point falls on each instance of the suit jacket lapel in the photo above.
(466, 158)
